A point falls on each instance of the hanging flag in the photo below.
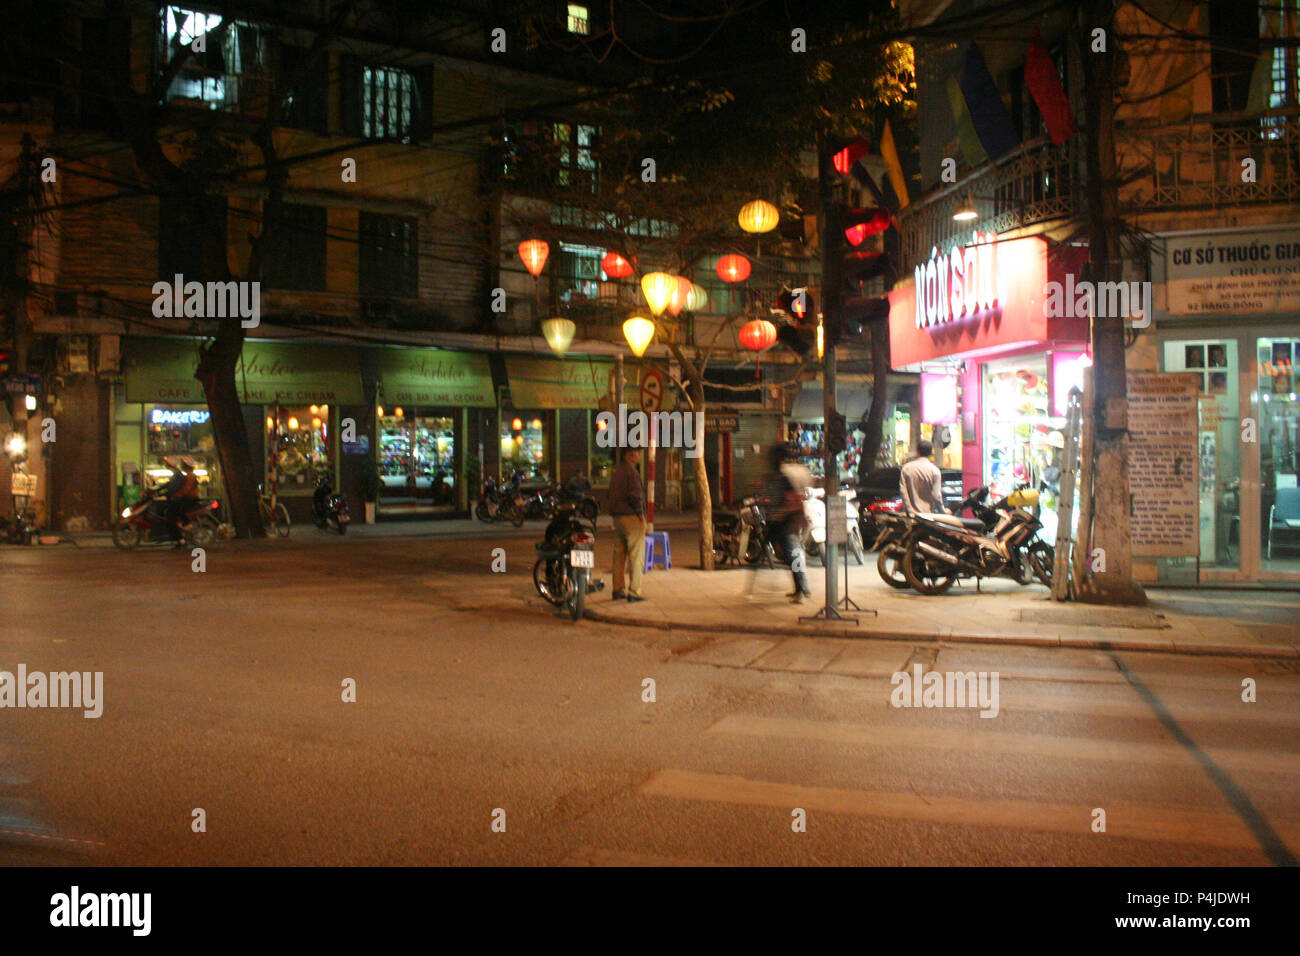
(1045, 86)
(889, 153)
(863, 175)
(1177, 102)
(971, 150)
(984, 101)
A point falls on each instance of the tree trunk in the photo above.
(705, 502)
(216, 373)
(875, 424)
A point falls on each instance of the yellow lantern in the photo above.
(639, 331)
(533, 252)
(558, 333)
(379, 410)
(659, 289)
(517, 425)
(535, 424)
(697, 298)
(293, 424)
(759, 216)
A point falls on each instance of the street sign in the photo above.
(722, 422)
(19, 384)
(652, 391)
(837, 527)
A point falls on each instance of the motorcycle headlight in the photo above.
(126, 512)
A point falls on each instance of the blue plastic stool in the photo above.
(661, 556)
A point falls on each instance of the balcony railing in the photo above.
(1034, 184)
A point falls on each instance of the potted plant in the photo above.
(371, 485)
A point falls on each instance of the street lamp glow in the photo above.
(30, 401)
(966, 211)
(639, 331)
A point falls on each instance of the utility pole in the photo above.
(1110, 543)
(26, 194)
(832, 305)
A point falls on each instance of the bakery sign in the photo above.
(1251, 272)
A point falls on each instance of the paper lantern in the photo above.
(733, 268)
(697, 298)
(638, 330)
(534, 252)
(757, 335)
(677, 301)
(517, 425)
(615, 266)
(558, 333)
(658, 289)
(759, 216)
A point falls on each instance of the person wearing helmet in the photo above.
(182, 496)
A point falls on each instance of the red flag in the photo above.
(1045, 86)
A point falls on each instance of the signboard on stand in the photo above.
(1163, 471)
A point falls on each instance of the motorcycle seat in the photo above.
(956, 521)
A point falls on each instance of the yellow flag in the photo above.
(889, 153)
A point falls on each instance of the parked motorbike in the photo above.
(891, 525)
(814, 512)
(498, 503)
(146, 522)
(330, 510)
(741, 536)
(576, 491)
(565, 557)
(941, 548)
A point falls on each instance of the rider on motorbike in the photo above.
(182, 492)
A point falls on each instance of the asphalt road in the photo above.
(223, 691)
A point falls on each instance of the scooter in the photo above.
(329, 509)
(741, 536)
(146, 522)
(814, 512)
(565, 558)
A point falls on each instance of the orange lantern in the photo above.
(677, 301)
(733, 268)
(757, 335)
(615, 266)
(534, 252)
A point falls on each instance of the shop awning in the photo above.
(436, 377)
(162, 370)
(579, 381)
(852, 400)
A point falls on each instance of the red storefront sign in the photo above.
(981, 300)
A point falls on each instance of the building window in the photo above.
(180, 229)
(387, 103)
(524, 447)
(294, 257)
(577, 160)
(307, 105)
(1279, 21)
(389, 256)
(417, 456)
(579, 20)
(578, 273)
(232, 71)
(298, 439)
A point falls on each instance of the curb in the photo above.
(1271, 651)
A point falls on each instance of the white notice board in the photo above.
(1163, 450)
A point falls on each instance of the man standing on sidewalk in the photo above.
(920, 483)
(627, 508)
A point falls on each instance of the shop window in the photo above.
(389, 256)
(295, 254)
(417, 456)
(386, 102)
(298, 437)
(524, 447)
(1279, 454)
(232, 71)
(176, 431)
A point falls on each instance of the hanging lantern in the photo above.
(558, 333)
(658, 289)
(534, 252)
(697, 298)
(535, 424)
(757, 335)
(759, 216)
(733, 268)
(638, 331)
(615, 266)
(517, 425)
(677, 301)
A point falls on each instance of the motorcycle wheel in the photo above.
(578, 597)
(126, 535)
(481, 512)
(280, 520)
(855, 545)
(921, 575)
(754, 550)
(890, 566)
(515, 515)
(202, 534)
(1042, 559)
(589, 509)
(342, 528)
(540, 581)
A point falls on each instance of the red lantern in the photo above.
(757, 335)
(615, 266)
(733, 268)
(533, 252)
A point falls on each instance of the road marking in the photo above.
(1203, 828)
(995, 742)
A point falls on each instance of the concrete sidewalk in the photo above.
(1255, 623)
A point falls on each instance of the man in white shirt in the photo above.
(920, 483)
